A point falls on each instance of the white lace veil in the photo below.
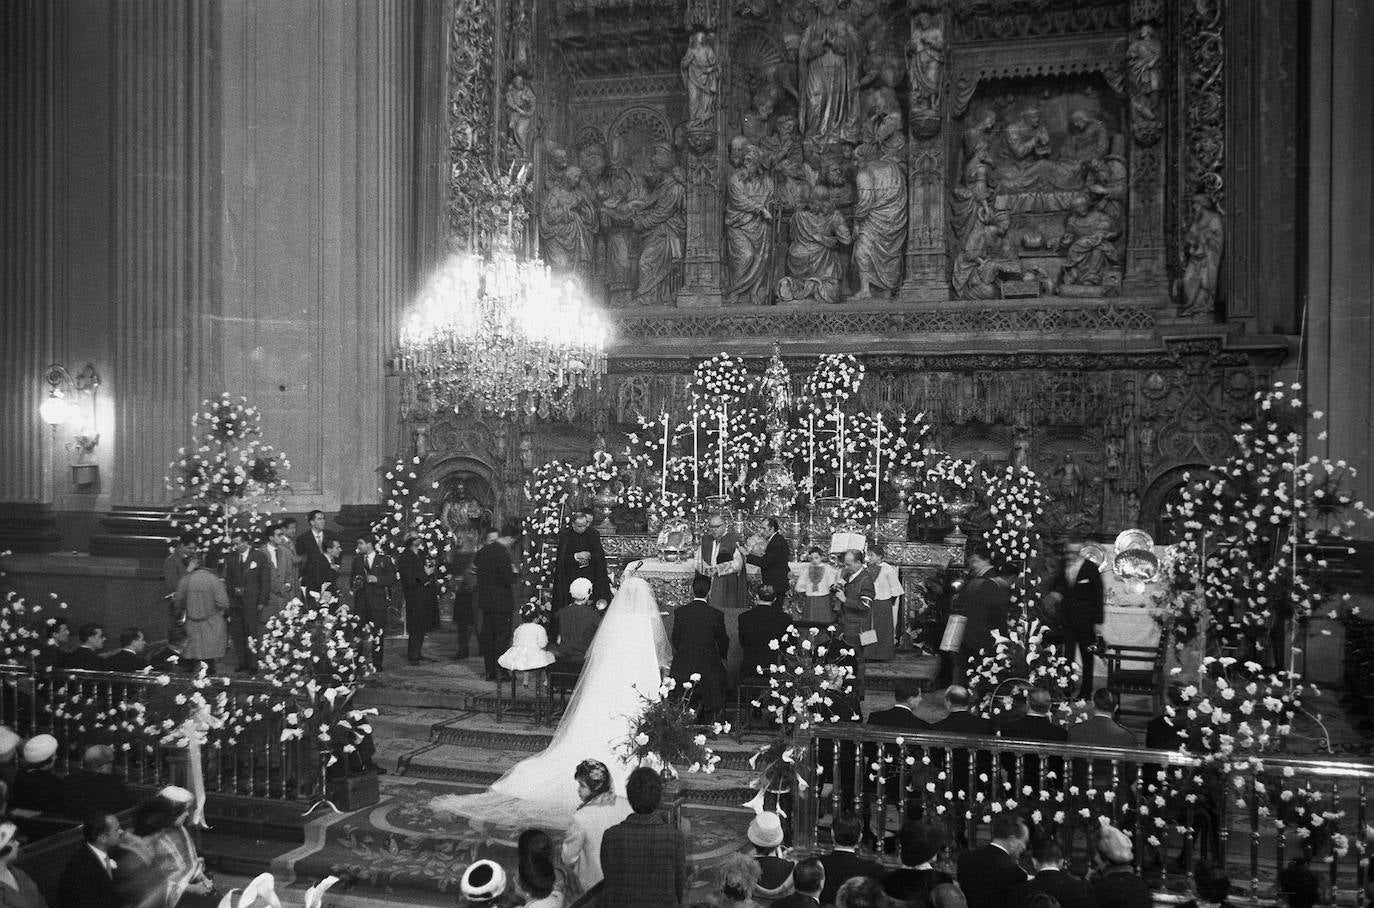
(622, 664)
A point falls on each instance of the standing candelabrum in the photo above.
(958, 509)
(903, 482)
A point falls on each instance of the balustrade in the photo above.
(1177, 810)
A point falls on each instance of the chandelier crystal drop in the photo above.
(504, 335)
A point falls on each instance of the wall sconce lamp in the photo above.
(72, 397)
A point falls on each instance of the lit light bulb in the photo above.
(55, 410)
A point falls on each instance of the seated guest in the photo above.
(1117, 884)
(775, 872)
(917, 881)
(484, 883)
(644, 857)
(9, 751)
(576, 623)
(17, 889)
(902, 714)
(764, 622)
(1101, 728)
(598, 811)
(1051, 878)
(987, 874)
(88, 879)
(86, 656)
(536, 877)
(738, 876)
(168, 658)
(129, 657)
(52, 653)
(1165, 731)
(1035, 725)
(808, 879)
(861, 892)
(961, 720)
(159, 855)
(842, 863)
(37, 787)
(95, 787)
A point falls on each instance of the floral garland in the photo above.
(663, 734)
(669, 506)
(408, 512)
(1016, 498)
(944, 480)
(722, 378)
(1250, 527)
(228, 477)
(836, 378)
(1020, 658)
(855, 512)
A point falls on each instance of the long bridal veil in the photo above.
(623, 661)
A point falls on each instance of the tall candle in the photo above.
(720, 452)
(877, 456)
(811, 455)
(696, 461)
(663, 487)
(839, 418)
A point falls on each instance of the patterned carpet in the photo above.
(400, 847)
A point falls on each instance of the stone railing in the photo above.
(1177, 812)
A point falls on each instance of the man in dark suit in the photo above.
(984, 602)
(961, 720)
(417, 572)
(248, 581)
(1035, 725)
(765, 622)
(1051, 879)
(902, 714)
(856, 597)
(842, 863)
(373, 577)
(86, 657)
(808, 881)
(168, 659)
(88, 880)
(495, 595)
(576, 625)
(129, 657)
(645, 856)
(1101, 728)
(95, 787)
(773, 561)
(579, 554)
(987, 874)
(1079, 587)
(315, 570)
(700, 646)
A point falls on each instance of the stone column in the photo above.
(1146, 266)
(927, 265)
(704, 166)
(165, 301)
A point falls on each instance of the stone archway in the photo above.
(1163, 491)
(467, 497)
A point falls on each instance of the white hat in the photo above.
(766, 830)
(483, 880)
(1113, 845)
(176, 794)
(581, 588)
(9, 742)
(40, 749)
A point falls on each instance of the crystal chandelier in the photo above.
(504, 335)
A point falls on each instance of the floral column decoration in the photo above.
(836, 378)
(718, 385)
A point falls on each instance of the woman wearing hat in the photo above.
(17, 889)
(598, 811)
(485, 883)
(775, 871)
(1117, 884)
(917, 881)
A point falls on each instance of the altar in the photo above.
(1130, 610)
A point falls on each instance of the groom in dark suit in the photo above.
(315, 568)
(700, 646)
(773, 563)
(373, 578)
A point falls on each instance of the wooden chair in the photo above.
(1137, 670)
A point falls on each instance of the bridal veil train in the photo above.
(623, 661)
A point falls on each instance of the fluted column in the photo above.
(26, 303)
(164, 99)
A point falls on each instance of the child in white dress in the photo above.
(528, 653)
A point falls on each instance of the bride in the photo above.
(624, 661)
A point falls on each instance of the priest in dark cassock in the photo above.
(580, 555)
(721, 559)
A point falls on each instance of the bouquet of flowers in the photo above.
(602, 469)
(1020, 658)
(663, 734)
(720, 379)
(836, 378)
(947, 479)
(810, 680)
(669, 506)
(855, 512)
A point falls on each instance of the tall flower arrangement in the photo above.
(944, 480)
(227, 477)
(408, 511)
(1016, 501)
(1251, 529)
(547, 490)
(1020, 658)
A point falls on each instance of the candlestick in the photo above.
(877, 456)
(720, 452)
(811, 455)
(839, 417)
(696, 461)
(663, 486)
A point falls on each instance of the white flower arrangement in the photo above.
(808, 679)
(1015, 499)
(1020, 658)
(408, 511)
(721, 379)
(945, 480)
(669, 506)
(663, 735)
(602, 469)
(836, 378)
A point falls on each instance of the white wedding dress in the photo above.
(623, 663)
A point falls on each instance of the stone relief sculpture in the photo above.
(828, 61)
(883, 129)
(813, 260)
(748, 225)
(925, 54)
(986, 258)
(1201, 258)
(1090, 251)
(662, 225)
(782, 158)
(567, 223)
(1145, 72)
(1087, 139)
(520, 102)
(701, 76)
(879, 222)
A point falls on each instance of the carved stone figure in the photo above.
(1107, 186)
(925, 54)
(609, 189)
(1112, 458)
(879, 222)
(1089, 247)
(882, 66)
(782, 157)
(1020, 447)
(1068, 480)
(748, 225)
(1202, 258)
(1026, 138)
(527, 454)
(986, 258)
(1087, 140)
(701, 76)
(882, 128)
(754, 121)
(661, 220)
(828, 61)
(520, 102)
(567, 224)
(1145, 70)
(421, 435)
(813, 261)
(1145, 441)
